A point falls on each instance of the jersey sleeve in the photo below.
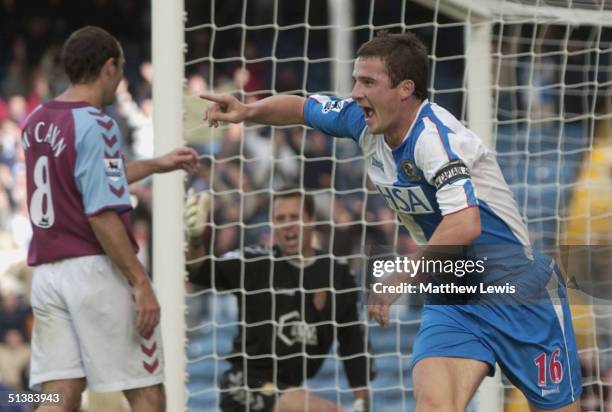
(219, 274)
(446, 163)
(100, 172)
(335, 117)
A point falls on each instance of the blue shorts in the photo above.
(533, 343)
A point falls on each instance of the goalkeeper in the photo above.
(447, 190)
(292, 301)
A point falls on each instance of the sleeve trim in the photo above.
(304, 111)
(119, 208)
(452, 212)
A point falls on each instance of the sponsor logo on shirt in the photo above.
(114, 168)
(333, 105)
(377, 163)
(411, 200)
(546, 392)
(292, 330)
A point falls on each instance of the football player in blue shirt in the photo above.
(447, 189)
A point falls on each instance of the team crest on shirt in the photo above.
(114, 168)
(410, 171)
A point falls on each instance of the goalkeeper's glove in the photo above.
(361, 405)
(197, 210)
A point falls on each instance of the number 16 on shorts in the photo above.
(549, 363)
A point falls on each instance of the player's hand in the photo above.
(378, 311)
(225, 108)
(197, 210)
(379, 304)
(184, 158)
(147, 308)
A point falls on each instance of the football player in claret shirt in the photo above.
(94, 307)
(447, 190)
(293, 301)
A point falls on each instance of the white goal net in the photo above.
(532, 77)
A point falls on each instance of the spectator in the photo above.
(144, 90)
(266, 156)
(14, 359)
(17, 108)
(14, 313)
(318, 166)
(140, 119)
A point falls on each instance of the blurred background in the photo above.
(552, 132)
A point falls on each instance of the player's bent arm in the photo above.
(204, 271)
(138, 170)
(211, 273)
(197, 212)
(459, 228)
(181, 158)
(197, 264)
(111, 233)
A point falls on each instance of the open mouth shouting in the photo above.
(368, 112)
(291, 240)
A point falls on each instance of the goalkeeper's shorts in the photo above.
(85, 327)
(533, 343)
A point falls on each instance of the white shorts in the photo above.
(85, 327)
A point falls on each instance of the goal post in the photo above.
(168, 194)
(342, 45)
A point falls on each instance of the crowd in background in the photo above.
(240, 163)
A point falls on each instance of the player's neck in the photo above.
(307, 252)
(82, 93)
(301, 259)
(394, 136)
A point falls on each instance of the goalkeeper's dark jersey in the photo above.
(290, 314)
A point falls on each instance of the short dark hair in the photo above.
(309, 204)
(404, 55)
(86, 51)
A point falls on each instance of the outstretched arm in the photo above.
(279, 110)
(181, 158)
